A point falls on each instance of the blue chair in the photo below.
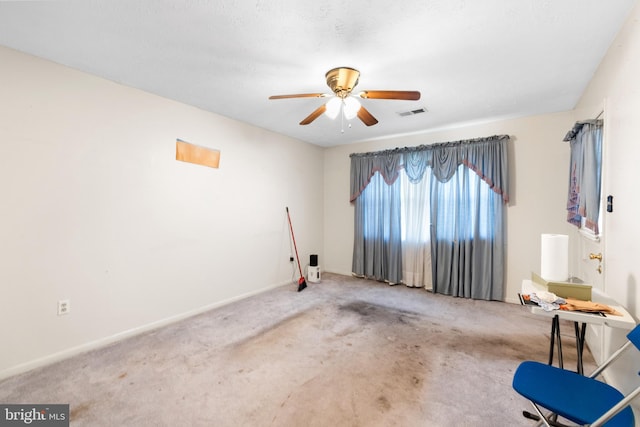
(580, 399)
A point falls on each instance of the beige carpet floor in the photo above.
(343, 352)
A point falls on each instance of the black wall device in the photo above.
(313, 260)
(609, 203)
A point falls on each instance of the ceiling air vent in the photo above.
(412, 112)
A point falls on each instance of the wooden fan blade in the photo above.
(411, 95)
(317, 113)
(366, 117)
(299, 95)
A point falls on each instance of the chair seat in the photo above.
(575, 397)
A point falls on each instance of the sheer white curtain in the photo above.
(416, 232)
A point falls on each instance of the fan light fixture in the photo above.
(349, 107)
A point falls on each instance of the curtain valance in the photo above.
(487, 157)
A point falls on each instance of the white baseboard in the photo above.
(102, 342)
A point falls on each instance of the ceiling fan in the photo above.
(342, 81)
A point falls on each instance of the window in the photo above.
(585, 174)
(427, 215)
(416, 218)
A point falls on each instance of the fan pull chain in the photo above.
(343, 116)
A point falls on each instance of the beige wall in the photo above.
(96, 209)
(538, 162)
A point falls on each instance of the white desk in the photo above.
(623, 322)
(580, 319)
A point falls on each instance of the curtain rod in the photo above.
(578, 125)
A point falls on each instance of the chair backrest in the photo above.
(634, 336)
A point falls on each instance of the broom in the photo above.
(301, 282)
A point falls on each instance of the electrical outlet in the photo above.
(64, 307)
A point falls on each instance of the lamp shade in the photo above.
(333, 107)
(351, 107)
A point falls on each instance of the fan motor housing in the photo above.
(342, 80)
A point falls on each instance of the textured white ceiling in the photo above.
(472, 61)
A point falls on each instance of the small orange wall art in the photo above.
(191, 153)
